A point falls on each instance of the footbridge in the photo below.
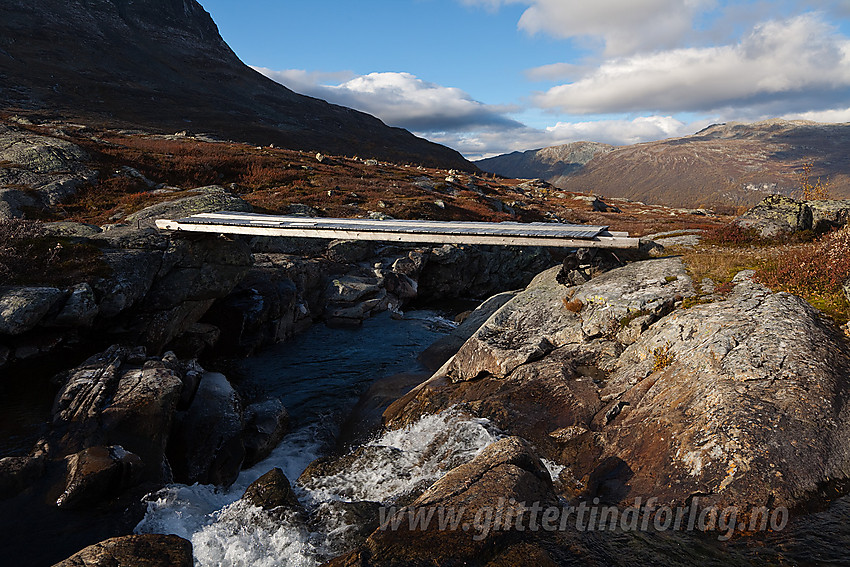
(406, 231)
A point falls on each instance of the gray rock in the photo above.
(109, 401)
(265, 425)
(145, 550)
(80, 309)
(536, 321)
(13, 203)
(829, 214)
(777, 215)
(17, 473)
(446, 347)
(71, 229)
(22, 308)
(348, 289)
(209, 200)
(206, 443)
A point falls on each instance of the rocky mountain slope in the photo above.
(546, 163)
(162, 65)
(733, 164)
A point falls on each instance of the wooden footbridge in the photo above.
(410, 231)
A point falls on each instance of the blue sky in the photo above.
(494, 76)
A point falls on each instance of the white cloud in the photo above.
(487, 143)
(835, 115)
(625, 26)
(780, 67)
(556, 72)
(399, 99)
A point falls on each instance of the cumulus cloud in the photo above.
(556, 72)
(624, 26)
(780, 67)
(399, 99)
(834, 115)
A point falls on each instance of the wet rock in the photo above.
(508, 474)
(265, 425)
(444, 348)
(109, 401)
(206, 441)
(777, 215)
(349, 289)
(22, 308)
(272, 491)
(17, 473)
(145, 550)
(208, 200)
(98, 473)
(349, 522)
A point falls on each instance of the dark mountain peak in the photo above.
(162, 65)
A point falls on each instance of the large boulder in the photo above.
(741, 401)
(507, 476)
(777, 215)
(97, 473)
(206, 444)
(211, 199)
(145, 550)
(117, 398)
(265, 425)
(22, 308)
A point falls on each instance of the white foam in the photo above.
(228, 532)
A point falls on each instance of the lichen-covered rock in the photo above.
(22, 308)
(206, 443)
(207, 200)
(145, 550)
(741, 401)
(777, 215)
(79, 310)
(537, 321)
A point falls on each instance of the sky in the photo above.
(488, 77)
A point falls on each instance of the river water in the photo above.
(319, 376)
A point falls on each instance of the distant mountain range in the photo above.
(724, 164)
(161, 64)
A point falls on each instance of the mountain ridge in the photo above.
(162, 64)
(734, 163)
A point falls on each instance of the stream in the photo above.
(319, 376)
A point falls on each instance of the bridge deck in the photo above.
(414, 231)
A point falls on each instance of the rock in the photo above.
(71, 229)
(13, 203)
(145, 550)
(401, 286)
(350, 251)
(272, 491)
(209, 200)
(829, 214)
(108, 401)
(80, 309)
(446, 347)
(507, 474)
(206, 442)
(22, 308)
(98, 473)
(265, 425)
(365, 418)
(777, 215)
(348, 523)
(536, 321)
(17, 473)
(722, 414)
(478, 271)
(301, 210)
(349, 289)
